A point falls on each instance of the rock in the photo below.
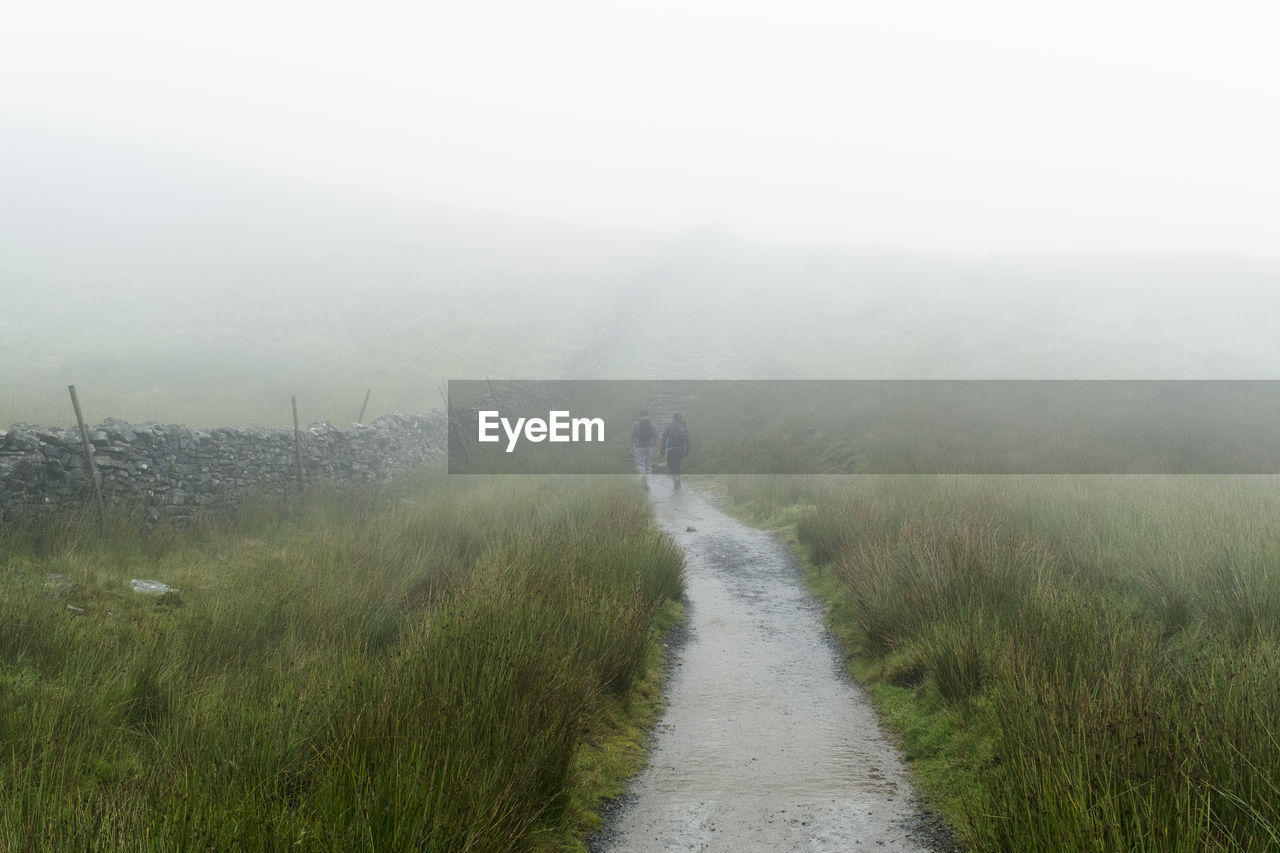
(118, 429)
(179, 468)
(150, 587)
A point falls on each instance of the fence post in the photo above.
(297, 441)
(360, 419)
(94, 477)
(454, 426)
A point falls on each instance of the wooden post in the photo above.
(360, 419)
(297, 441)
(454, 426)
(94, 477)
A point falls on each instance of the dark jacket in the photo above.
(643, 433)
(676, 439)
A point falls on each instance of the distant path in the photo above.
(766, 745)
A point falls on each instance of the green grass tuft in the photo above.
(1072, 663)
(422, 668)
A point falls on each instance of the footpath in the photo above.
(765, 744)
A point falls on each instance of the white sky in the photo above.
(973, 126)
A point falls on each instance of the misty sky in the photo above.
(973, 126)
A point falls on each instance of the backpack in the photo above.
(678, 438)
(644, 432)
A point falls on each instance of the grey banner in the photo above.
(872, 426)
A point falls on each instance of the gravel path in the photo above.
(766, 745)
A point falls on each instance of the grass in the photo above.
(451, 666)
(615, 744)
(1072, 663)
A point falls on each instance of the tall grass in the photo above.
(400, 671)
(1086, 663)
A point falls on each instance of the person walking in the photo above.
(644, 437)
(676, 444)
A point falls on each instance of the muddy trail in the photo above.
(766, 744)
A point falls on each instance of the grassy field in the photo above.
(1073, 663)
(449, 665)
(1078, 663)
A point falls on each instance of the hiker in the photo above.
(644, 435)
(676, 445)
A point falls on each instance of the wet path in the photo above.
(765, 744)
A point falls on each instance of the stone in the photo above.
(181, 468)
(150, 587)
(118, 429)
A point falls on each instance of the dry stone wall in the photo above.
(174, 471)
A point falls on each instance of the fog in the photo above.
(203, 211)
(977, 127)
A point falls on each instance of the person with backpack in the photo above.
(644, 437)
(676, 445)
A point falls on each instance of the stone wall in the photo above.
(174, 471)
